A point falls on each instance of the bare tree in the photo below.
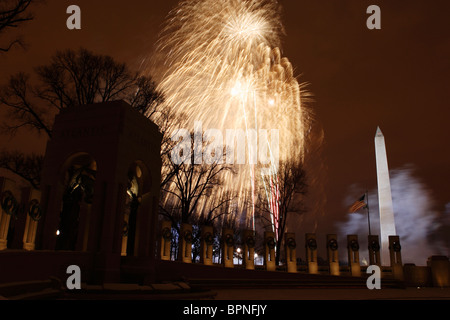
(189, 190)
(13, 13)
(27, 167)
(287, 189)
(22, 111)
(82, 77)
(72, 78)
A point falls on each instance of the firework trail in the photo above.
(219, 62)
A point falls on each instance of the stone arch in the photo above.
(77, 180)
(114, 135)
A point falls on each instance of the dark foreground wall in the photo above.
(19, 265)
(218, 276)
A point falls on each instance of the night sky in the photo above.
(396, 78)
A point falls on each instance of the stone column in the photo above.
(125, 233)
(353, 255)
(16, 238)
(396, 257)
(269, 250)
(374, 250)
(227, 248)
(249, 249)
(311, 253)
(83, 229)
(332, 254)
(8, 207)
(165, 240)
(290, 252)
(206, 245)
(185, 243)
(34, 214)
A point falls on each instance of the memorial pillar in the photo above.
(374, 250)
(353, 255)
(269, 250)
(396, 257)
(227, 248)
(290, 252)
(34, 214)
(206, 245)
(332, 254)
(165, 240)
(8, 207)
(311, 253)
(249, 249)
(185, 243)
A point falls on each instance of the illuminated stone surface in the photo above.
(387, 222)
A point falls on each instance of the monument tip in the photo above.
(378, 133)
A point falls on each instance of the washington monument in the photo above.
(387, 222)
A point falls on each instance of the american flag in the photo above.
(357, 205)
(252, 176)
(274, 198)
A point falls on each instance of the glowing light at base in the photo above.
(219, 62)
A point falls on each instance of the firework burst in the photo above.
(219, 62)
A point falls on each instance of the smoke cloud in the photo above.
(420, 226)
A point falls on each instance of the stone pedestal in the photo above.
(332, 254)
(290, 252)
(227, 248)
(374, 250)
(440, 271)
(353, 255)
(311, 253)
(249, 249)
(165, 240)
(396, 257)
(206, 245)
(269, 250)
(417, 276)
(185, 243)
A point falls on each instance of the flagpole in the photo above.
(367, 207)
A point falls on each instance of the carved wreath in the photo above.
(374, 245)
(35, 210)
(167, 234)
(9, 203)
(188, 236)
(332, 244)
(291, 243)
(209, 239)
(271, 242)
(396, 246)
(312, 244)
(229, 240)
(354, 245)
(250, 241)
